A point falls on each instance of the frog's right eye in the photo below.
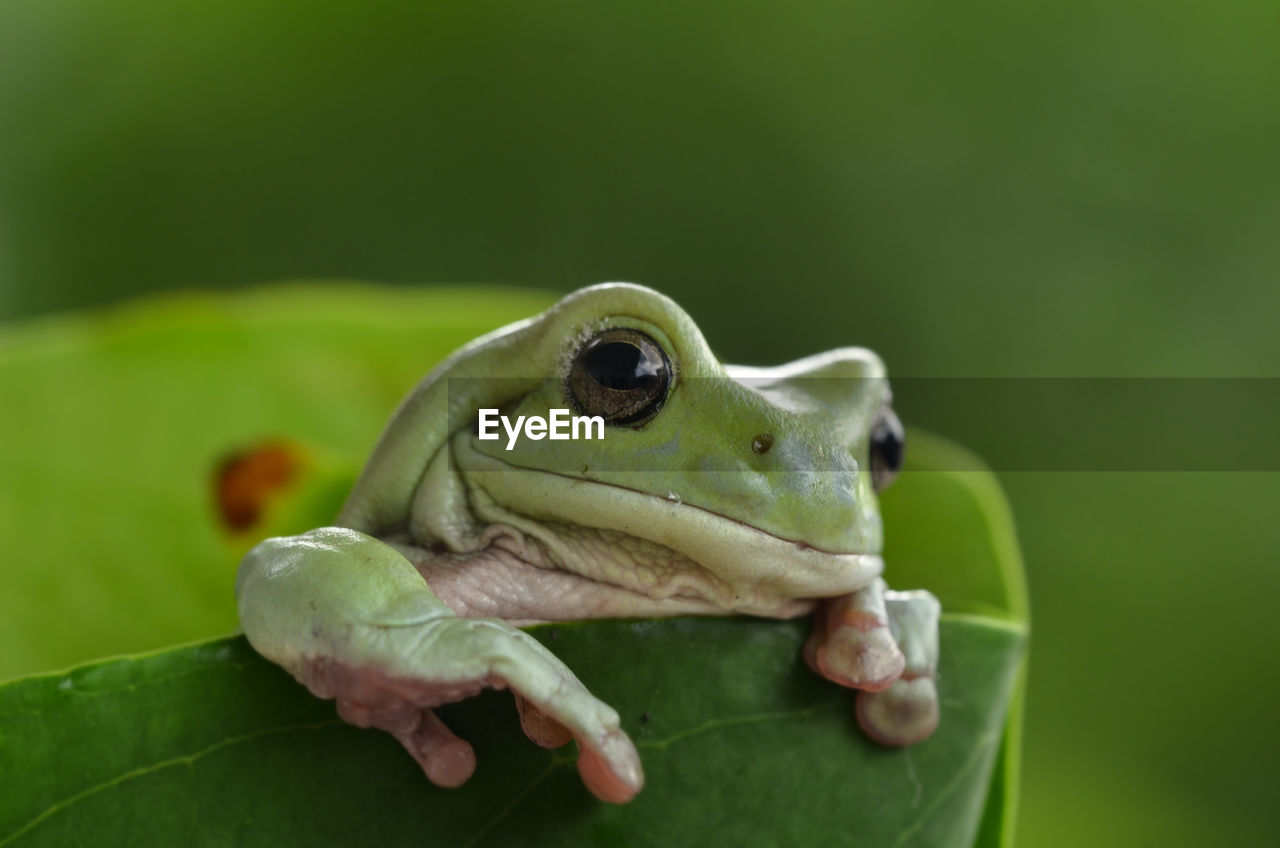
(887, 441)
(621, 375)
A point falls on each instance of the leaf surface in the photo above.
(210, 744)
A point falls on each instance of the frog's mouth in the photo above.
(722, 560)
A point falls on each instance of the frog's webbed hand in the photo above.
(886, 645)
(352, 619)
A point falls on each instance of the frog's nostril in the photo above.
(762, 443)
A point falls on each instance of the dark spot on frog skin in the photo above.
(762, 443)
(246, 480)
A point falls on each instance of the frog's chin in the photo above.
(744, 567)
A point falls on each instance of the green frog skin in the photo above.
(716, 490)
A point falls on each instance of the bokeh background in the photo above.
(983, 189)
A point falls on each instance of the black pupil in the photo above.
(621, 366)
(887, 446)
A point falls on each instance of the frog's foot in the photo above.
(353, 620)
(906, 712)
(607, 761)
(852, 643)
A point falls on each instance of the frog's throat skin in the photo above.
(447, 541)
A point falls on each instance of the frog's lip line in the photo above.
(798, 543)
(720, 515)
(745, 551)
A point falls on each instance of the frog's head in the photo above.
(764, 478)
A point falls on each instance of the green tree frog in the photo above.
(706, 489)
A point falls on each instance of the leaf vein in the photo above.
(987, 740)
(718, 723)
(505, 811)
(133, 774)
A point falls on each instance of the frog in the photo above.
(712, 490)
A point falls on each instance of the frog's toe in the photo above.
(903, 714)
(610, 768)
(852, 644)
(446, 759)
(860, 659)
(542, 729)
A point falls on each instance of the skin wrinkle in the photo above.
(514, 580)
(646, 570)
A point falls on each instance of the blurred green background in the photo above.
(981, 189)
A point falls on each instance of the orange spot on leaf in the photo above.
(248, 479)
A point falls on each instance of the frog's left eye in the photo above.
(621, 375)
(887, 443)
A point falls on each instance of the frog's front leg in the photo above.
(886, 645)
(352, 619)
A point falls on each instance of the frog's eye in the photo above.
(621, 375)
(887, 441)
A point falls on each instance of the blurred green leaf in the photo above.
(117, 545)
(114, 423)
(949, 528)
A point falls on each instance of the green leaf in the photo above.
(950, 530)
(742, 745)
(118, 422)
